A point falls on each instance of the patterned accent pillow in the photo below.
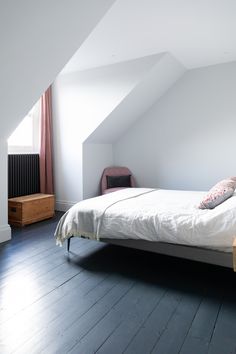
(219, 193)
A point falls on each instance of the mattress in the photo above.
(170, 216)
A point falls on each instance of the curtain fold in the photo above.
(46, 167)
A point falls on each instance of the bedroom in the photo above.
(191, 145)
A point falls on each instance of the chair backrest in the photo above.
(115, 171)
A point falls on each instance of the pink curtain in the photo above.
(46, 173)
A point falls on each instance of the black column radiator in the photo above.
(23, 175)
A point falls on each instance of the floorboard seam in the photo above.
(214, 327)
(39, 298)
(146, 319)
(108, 336)
(166, 325)
(190, 325)
(56, 318)
(102, 316)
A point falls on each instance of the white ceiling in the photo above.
(196, 32)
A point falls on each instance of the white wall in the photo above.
(81, 101)
(5, 231)
(187, 140)
(68, 177)
(95, 158)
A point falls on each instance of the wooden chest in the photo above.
(30, 208)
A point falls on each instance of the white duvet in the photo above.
(153, 215)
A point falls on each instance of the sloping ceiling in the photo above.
(37, 39)
(196, 32)
(164, 72)
(83, 99)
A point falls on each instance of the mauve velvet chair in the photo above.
(114, 171)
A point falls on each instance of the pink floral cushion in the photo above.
(219, 193)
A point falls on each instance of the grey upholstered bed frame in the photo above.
(224, 259)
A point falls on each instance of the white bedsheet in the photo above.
(154, 215)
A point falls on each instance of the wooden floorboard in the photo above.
(201, 330)
(106, 299)
(130, 319)
(38, 287)
(154, 325)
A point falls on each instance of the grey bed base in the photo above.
(224, 259)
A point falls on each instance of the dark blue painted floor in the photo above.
(107, 299)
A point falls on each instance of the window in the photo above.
(25, 139)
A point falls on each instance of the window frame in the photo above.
(34, 113)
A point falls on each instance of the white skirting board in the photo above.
(224, 259)
(5, 233)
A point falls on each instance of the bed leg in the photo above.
(68, 244)
(234, 255)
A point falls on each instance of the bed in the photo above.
(156, 220)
